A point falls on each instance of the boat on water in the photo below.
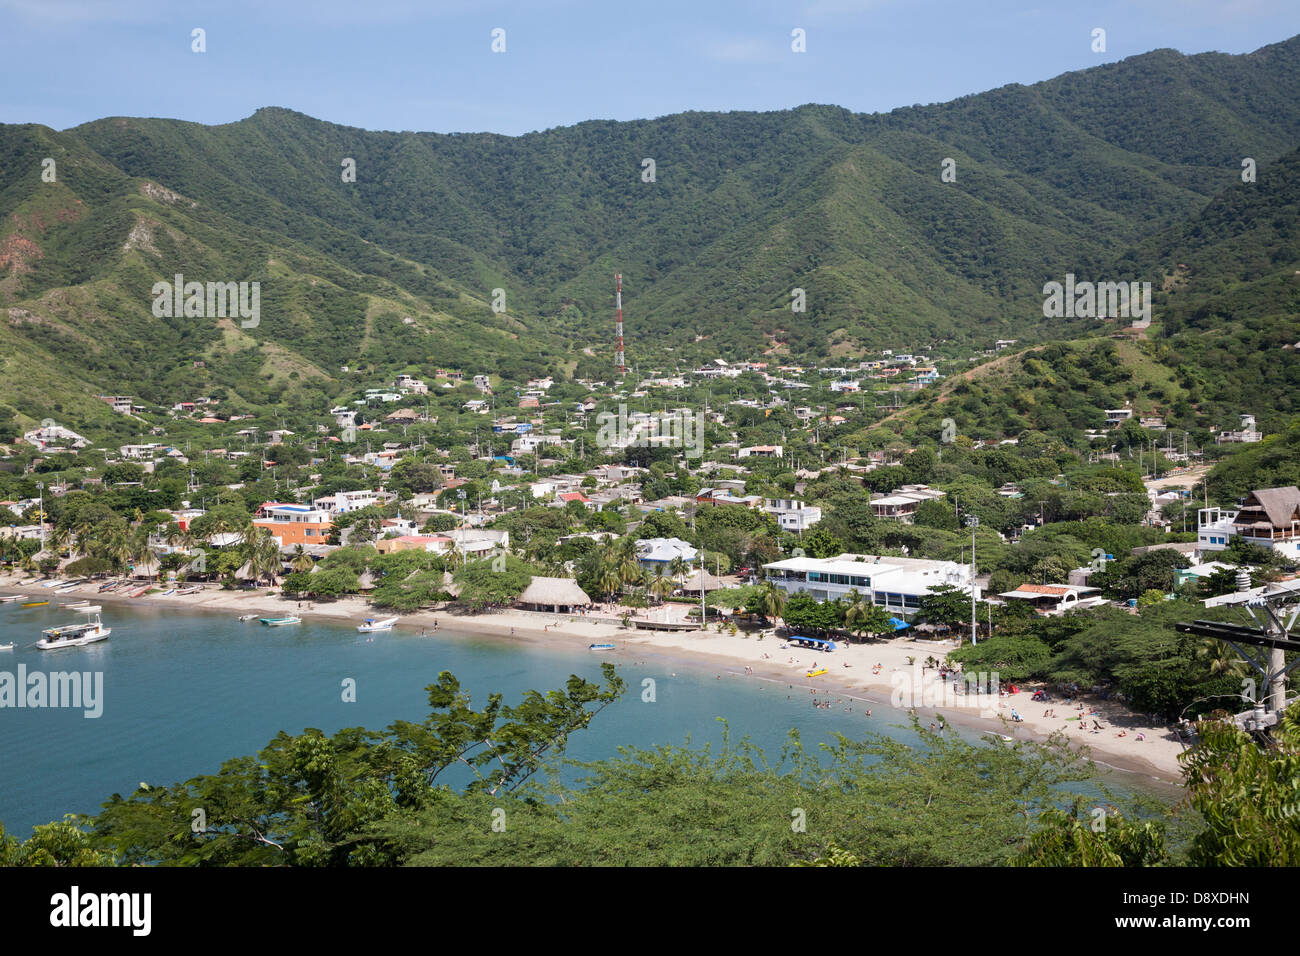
(281, 621)
(600, 647)
(35, 603)
(7, 647)
(372, 624)
(13, 598)
(78, 604)
(248, 617)
(73, 635)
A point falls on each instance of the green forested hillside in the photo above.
(1097, 173)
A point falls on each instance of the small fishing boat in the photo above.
(281, 621)
(73, 635)
(7, 647)
(248, 617)
(371, 624)
(193, 589)
(818, 671)
(87, 608)
(13, 598)
(35, 603)
(78, 604)
(53, 584)
(600, 647)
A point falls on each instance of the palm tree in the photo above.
(611, 581)
(302, 561)
(855, 616)
(137, 547)
(771, 601)
(629, 568)
(264, 556)
(677, 568)
(1221, 658)
(660, 585)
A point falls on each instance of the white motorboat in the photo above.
(248, 617)
(73, 635)
(13, 598)
(7, 647)
(371, 624)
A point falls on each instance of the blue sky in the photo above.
(428, 64)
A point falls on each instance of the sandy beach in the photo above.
(885, 677)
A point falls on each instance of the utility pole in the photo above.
(974, 522)
(40, 488)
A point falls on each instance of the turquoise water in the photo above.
(183, 691)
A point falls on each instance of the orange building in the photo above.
(294, 524)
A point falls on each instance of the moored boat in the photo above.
(248, 617)
(600, 647)
(281, 621)
(7, 647)
(13, 598)
(73, 635)
(372, 624)
(35, 603)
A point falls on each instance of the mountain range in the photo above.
(1127, 171)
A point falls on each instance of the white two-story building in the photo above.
(895, 584)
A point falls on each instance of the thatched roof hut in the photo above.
(148, 568)
(559, 595)
(711, 583)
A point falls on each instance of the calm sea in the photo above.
(183, 691)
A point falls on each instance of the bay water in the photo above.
(185, 690)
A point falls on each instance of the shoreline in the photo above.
(849, 678)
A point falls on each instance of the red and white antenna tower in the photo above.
(618, 305)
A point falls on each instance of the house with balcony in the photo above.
(294, 523)
(1269, 517)
(901, 504)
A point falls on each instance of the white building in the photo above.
(901, 503)
(1054, 599)
(341, 502)
(1269, 517)
(662, 551)
(896, 584)
(792, 515)
(48, 435)
(410, 384)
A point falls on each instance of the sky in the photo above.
(429, 64)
